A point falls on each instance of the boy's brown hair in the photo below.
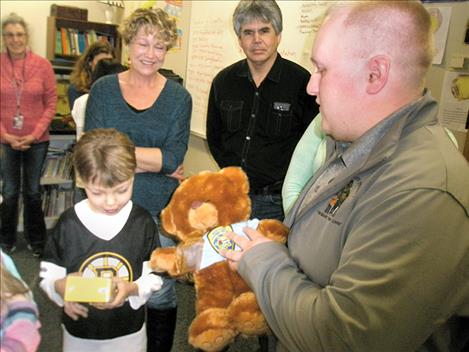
(104, 156)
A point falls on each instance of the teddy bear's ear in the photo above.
(238, 177)
(167, 221)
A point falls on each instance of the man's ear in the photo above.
(378, 68)
(279, 37)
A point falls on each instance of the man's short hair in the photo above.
(399, 28)
(265, 10)
(104, 156)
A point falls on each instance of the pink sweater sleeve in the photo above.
(21, 328)
(49, 99)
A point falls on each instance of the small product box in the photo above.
(88, 290)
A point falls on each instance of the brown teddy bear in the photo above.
(214, 202)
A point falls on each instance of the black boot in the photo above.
(34, 225)
(263, 343)
(9, 223)
(160, 329)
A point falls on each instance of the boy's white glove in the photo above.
(147, 284)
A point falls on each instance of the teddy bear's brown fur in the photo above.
(225, 306)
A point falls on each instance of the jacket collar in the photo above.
(375, 146)
(273, 75)
(383, 138)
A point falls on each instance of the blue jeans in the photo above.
(267, 206)
(165, 298)
(22, 169)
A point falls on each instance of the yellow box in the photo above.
(89, 290)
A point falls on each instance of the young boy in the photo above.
(105, 235)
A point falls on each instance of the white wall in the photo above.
(35, 14)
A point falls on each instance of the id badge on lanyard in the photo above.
(18, 119)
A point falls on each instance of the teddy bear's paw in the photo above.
(211, 330)
(246, 316)
(164, 259)
(273, 229)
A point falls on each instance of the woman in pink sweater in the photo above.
(28, 103)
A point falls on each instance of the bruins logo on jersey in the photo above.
(107, 264)
(218, 240)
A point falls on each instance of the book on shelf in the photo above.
(81, 42)
(58, 42)
(63, 37)
(50, 163)
(52, 194)
(65, 167)
(92, 36)
(62, 106)
(62, 63)
(58, 165)
(65, 41)
(60, 203)
(73, 42)
(56, 200)
(45, 202)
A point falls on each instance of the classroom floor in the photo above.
(51, 333)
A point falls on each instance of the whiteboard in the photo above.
(213, 45)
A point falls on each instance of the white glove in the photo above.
(147, 284)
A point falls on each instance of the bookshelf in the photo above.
(68, 38)
(55, 199)
(57, 181)
(57, 178)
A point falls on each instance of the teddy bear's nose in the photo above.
(195, 204)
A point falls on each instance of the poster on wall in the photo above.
(441, 17)
(454, 101)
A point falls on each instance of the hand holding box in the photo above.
(88, 290)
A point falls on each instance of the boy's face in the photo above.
(109, 200)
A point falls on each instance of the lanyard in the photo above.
(18, 84)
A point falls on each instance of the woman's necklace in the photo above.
(18, 85)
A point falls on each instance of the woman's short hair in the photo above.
(13, 18)
(81, 74)
(104, 156)
(265, 10)
(153, 21)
